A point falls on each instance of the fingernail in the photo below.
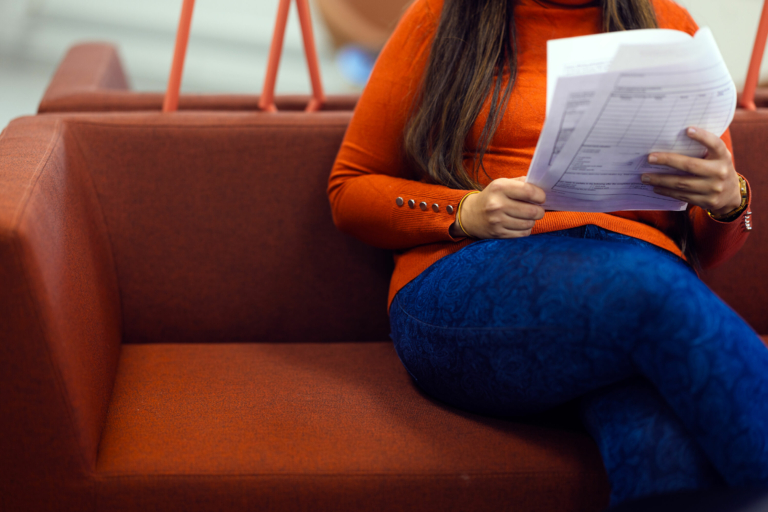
(691, 131)
(653, 159)
(645, 178)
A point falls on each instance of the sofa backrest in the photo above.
(106, 100)
(742, 281)
(221, 229)
(91, 78)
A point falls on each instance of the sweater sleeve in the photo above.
(372, 183)
(716, 241)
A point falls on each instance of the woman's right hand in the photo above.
(506, 208)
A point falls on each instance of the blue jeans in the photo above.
(673, 383)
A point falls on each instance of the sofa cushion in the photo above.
(221, 229)
(106, 100)
(241, 426)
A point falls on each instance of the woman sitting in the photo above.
(502, 308)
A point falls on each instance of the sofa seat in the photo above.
(239, 426)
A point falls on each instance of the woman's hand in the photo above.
(711, 183)
(507, 208)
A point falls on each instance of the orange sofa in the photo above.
(183, 328)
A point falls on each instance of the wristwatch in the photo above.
(727, 217)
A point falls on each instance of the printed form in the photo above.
(636, 93)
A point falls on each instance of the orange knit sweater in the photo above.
(371, 173)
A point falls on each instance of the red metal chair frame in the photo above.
(753, 75)
(266, 102)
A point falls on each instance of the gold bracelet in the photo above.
(458, 212)
(733, 214)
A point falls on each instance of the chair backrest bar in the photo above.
(753, 75)
(268, 94)
(266, 103)
(171, 102)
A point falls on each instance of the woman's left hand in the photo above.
(711, 182)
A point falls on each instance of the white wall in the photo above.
(229, 37)
(229, 42)
(734, 23)
(227, 52)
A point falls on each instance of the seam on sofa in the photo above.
(496, 474)
(55, 137)
(15, 242)
(78, 143)
(74, 121)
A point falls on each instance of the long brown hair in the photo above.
(473, 51)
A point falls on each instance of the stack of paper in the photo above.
(614, 98)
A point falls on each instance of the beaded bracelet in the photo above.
(458, 212)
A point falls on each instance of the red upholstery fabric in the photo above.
(59, 317)
(91, 78)
(87, 67)
(289, 426)
(216, 228)
(129, 101)
(196, 229)
(221, 229)
(761, 97)
(742, 281)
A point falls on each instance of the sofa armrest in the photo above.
(60, 325)
(87, 67)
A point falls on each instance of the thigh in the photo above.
(544, 281)
(510, 327)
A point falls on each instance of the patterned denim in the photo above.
(674, 382)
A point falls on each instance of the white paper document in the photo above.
(614, 98)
